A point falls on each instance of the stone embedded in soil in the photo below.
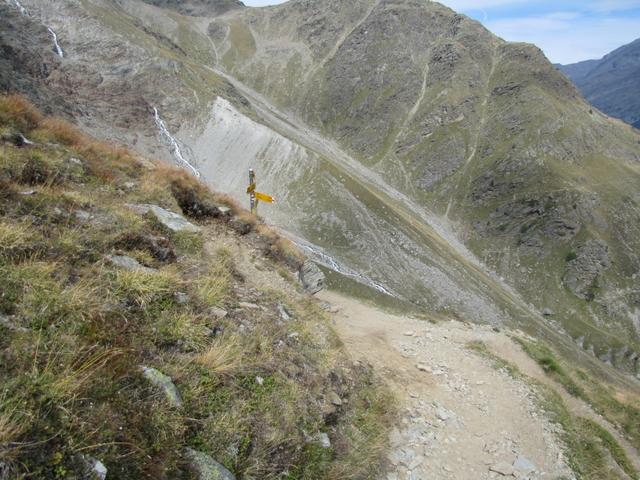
(523, 465)
(335, 399)
(323, 440)
(423, 368)
(164, 383)
(128, 263)
(218, 312)
(171, 220)
(205, 467)
(502, 468)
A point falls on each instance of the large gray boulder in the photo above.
(205, 467)
(171, 220)
(311, 277)
(164, 383)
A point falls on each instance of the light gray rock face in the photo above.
(582, 273)
(164, 383)
(523, 466)
(324, 440)
(128, 263)
(171, 220)
(90, 468)
(311, 277)
(205, 467)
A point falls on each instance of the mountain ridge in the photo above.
(610, 83)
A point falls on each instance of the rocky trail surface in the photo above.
(461, 416)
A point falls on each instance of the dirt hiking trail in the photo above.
(462, 418)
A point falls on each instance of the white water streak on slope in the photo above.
(175, 147)
(55, 43)
(19, 6)
(25, 12)
(323, 258)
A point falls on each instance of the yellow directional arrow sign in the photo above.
(264, 197)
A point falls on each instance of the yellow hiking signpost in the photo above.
(255, 197)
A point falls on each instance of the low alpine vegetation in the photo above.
(133, 346)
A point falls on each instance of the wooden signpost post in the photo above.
(254, 196)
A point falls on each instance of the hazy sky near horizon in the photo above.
(567, 30)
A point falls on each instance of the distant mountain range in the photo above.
(612, 84)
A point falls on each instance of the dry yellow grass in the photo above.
(223, 357)
(13, 235)
(17, 109)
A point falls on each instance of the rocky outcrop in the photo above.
(583, 272)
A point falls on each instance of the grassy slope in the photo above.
(75, 329)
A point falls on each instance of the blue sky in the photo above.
(567, 30)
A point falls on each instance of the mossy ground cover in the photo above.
(75, 329)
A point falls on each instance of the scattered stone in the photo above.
(410, 334)
(205, 467)
(90, 468)
(171, 220)
(423, 368)
(523, 465)
(284, 313)
(443, 414)
(165, 383)
(311, 277)
(129, 185)
(326, 306)
(18, 139)
(250, 306)
(547, 312)
(335, 399)
(28, 193)
(128, 263)
(82, 216)
(224, 211)
(502, 468)
(294, 335)
(181, 298)
(218, 312)
(415, 463)
(260, 380)
(9, 325)
(324, 440)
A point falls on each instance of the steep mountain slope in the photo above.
(392, 130)
(149, 325)
(612, 84)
